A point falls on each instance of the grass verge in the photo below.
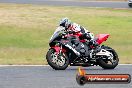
(25, 30)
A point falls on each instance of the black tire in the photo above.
(130, 5)
(53, 65)
(105, 65)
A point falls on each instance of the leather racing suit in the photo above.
(85, 33)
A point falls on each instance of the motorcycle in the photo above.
(67, 48)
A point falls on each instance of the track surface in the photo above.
(114, 4)
(46, 77)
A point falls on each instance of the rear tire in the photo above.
(53, 65)
(130, 5)
(105, 65)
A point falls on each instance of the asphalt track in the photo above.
(46, 77)
(114, 4)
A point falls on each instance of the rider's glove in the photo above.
(71, 32)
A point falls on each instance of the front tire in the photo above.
(63, 60)
(104, 63)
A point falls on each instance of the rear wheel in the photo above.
(111, 63)
(57, 61)
(130, 5)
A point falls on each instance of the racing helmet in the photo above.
(65, 22)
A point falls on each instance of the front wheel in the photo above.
(111, 63)
(57, 61)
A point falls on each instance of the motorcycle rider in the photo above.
(74, 27)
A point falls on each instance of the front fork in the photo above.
(59, 49)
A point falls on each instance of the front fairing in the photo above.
(57, 33)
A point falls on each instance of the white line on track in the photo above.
(22, 65)
(35, 65)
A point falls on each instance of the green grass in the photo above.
(25, 30)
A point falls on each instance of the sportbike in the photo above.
(67, 48)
